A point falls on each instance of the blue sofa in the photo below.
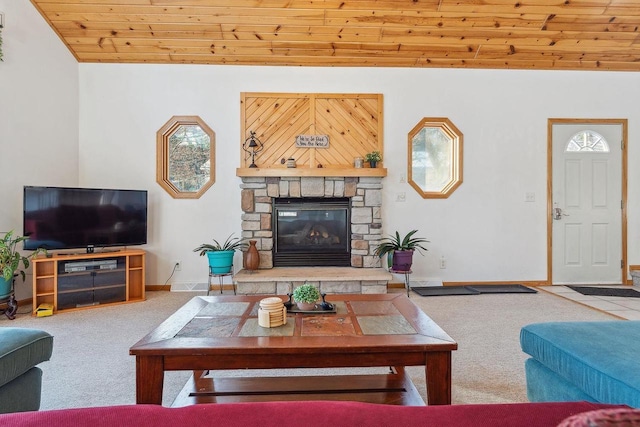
(21, 349)
(583, 361)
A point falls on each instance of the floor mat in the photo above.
(434, 291)
(502, 289)
(472, 290)
(605, 292)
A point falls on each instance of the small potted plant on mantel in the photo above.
(401, 249)
(306, 296)
(221, 255)
(373, 158)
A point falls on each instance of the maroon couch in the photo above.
(307, 414)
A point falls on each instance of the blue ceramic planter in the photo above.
(220, 262)
(5, 288)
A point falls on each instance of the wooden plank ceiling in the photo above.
(516, 34)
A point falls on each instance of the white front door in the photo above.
(587, 203)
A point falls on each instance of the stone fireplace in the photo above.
(363, 196)
(325, 134)
(311, 232)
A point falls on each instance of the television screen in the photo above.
(68, 218)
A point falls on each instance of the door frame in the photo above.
(556, 121)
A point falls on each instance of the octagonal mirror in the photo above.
(185, 157)
(435, 158)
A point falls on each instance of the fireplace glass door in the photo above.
(311, 232)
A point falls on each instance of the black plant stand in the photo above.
(407, 278)
(220, 279)
(12, 304)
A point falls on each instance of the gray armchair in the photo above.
(21, 350)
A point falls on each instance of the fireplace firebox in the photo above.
(311, 232)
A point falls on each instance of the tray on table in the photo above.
(318, 309)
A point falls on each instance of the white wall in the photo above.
(485, 229)
(38, 112)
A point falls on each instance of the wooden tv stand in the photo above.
(78, 281)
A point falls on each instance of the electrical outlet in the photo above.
(178, 265)
(443, 263)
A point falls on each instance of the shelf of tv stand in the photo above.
(91, 287)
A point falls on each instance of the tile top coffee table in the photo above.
(222, 332)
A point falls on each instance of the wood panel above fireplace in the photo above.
(352, 122)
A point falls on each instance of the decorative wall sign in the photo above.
(312, 141)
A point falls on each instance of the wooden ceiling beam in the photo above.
(547, 64)
(482, 53)
(293, 4)
(369, 8)
(336, 34)
(362, 4)
(395, 48)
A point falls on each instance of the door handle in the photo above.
(558, 214)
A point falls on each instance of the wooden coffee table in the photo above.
(222, 332)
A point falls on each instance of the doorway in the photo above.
(587, 172)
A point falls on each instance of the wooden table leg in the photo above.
(438, 371)
(149, 379)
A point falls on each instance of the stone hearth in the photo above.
(329, 280)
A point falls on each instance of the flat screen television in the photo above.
(71, 218)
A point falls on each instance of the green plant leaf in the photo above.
(306, 293)
(396, 243)
(11, 257)
(231, 244)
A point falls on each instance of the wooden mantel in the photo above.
(311, 172)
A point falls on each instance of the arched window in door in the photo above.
(587, 141)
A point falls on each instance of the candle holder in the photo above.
(253, 146)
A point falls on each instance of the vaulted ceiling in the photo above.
(516, 34)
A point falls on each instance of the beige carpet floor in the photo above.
(91, 365)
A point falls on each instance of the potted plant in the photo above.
(10, 260)
(373, 158)
(402, 249)
(221, 255)
(306, 296)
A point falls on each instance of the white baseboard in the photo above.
(425, 283)
(188, 287)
